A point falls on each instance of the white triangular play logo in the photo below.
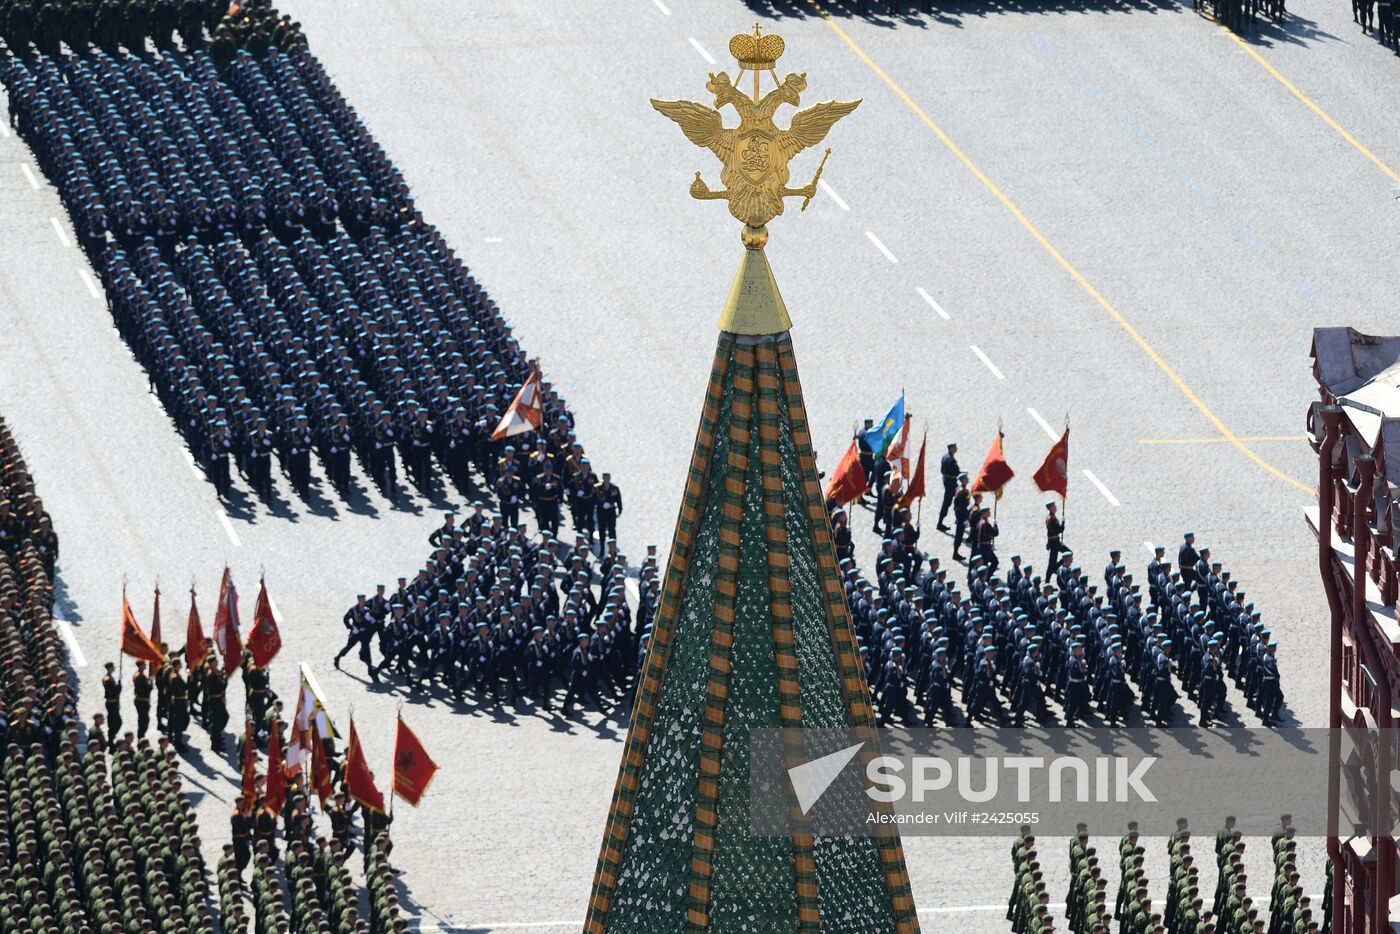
(811, 779)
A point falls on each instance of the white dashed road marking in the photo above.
(189, 459)
(62, 234)
(90, 282)
(831, 193)
(662, 7)
(1042, 423)
(695, 44)
(988, 361)
(1149, 547)
(29, 175)
(495, 239)
(923, 293)
(228, 528)
(880, 246)
(1112, 500)
(65, 629)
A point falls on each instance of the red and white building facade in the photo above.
(1355, 429)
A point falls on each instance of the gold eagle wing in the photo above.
(702, 125)
(809, 127)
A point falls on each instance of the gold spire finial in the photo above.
(755, 155)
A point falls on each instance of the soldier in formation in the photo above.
(494, 615)
(1101, 652)
(228, 276)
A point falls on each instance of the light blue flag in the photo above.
(884, 432)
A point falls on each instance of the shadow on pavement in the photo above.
(948, 12)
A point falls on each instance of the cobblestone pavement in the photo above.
(1117, 206)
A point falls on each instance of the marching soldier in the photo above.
(538, 663)
(985, 528)
(1030, 697)
(939, 693)
(215, 704)
(547, 492)
(178, 699)
(609, 508)
(260, 446)
(360, 624)
(952, 479)
(241, 826)
(112, 696)
(1076, 684)
(299, 444)
(583, 500)
(141, 697)
(962, 508)
(583, 676)
(481, 664)
(984, 691)
(509, 494)
(1212, 693)
(1054, 534)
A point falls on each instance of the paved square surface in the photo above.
(1110, 211)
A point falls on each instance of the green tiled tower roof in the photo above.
(752, 632)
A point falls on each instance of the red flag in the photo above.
(413, 767)
(320, 768)
(916, 484)
(250, 769)
(196, 646)
(525, 412)
(359, 780)
(1053, 475)
(848, 481)
(134, 641)
(995, 472)
(226, 636)
(264, 641)
(276, 794)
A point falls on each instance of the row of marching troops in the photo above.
(96, 835)
(1383, 16)
(263, 258)
(319, 892)
(496, 615)
(1024, 639)
(110, 24)
(1237, 15)
(1192, 905)
(318, 886)
(183, 698)
(547, 483)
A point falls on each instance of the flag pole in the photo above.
(121, 656)
(996, 495)
(923, 445)
(394, 756)
(1064, 500)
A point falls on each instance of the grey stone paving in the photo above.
(1210, 208)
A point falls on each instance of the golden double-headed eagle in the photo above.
(756, 152)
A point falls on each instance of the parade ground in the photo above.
(1114, 214)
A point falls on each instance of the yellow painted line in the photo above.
(1222, 440)
(1059, 257)
(1308, 102)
